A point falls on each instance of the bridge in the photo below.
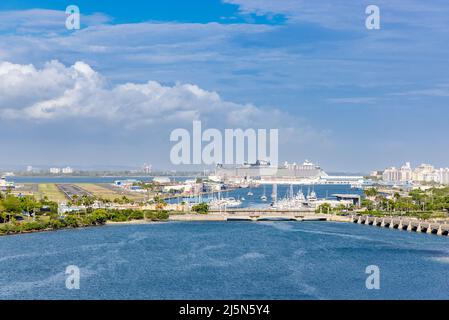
(400, 223)
(253, 215)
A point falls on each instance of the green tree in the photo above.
(324, 208)
(371, 192)
(12, 204)
(201, 208)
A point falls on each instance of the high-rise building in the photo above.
(147, 168)
(425, 173)
(405, 173)
(422, 173)
(443, 176)
(391, 174)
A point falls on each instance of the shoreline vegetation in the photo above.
(420, 204)
(97, 217)
(25, 214)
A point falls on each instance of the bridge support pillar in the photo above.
(419, 228)
(440, 231)
(429, 229)
(409, 226)
(400, 226)
(382, 224)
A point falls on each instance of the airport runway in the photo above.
(71, 190)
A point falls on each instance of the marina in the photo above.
(279, 196)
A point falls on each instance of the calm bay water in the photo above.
(233, 260)
(254, 201)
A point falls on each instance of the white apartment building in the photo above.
(147, 168)
(391, 174)
(422, 173)
(67, 170)
(55, 170)
(425, 173)
(443, 175)
(406, 173)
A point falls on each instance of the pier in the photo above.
(408, 224)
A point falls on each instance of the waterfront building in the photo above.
(423, 173)
(376, 174)
(161, 180)
(443, 176)
(55, 170)
(391, 174)
(67, 170)
(147, 168)
(405, 173)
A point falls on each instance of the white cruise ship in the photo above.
(287, 171)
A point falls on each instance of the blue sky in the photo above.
(348, 98)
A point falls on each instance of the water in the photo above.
(233, 260)
(254, 201)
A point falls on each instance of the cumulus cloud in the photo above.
(59, 92)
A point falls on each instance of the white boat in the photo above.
(250, 194)
(312, 196)
(296, 201)
(225, 203)
(300, 196)
(263, 197)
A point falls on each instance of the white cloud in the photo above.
(437, 91)
(43, 21)
(59, 92)
(350, 14)
(56, 94)
(354, 100)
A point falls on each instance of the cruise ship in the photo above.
(287, 171)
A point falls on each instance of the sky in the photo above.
(109, 94)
